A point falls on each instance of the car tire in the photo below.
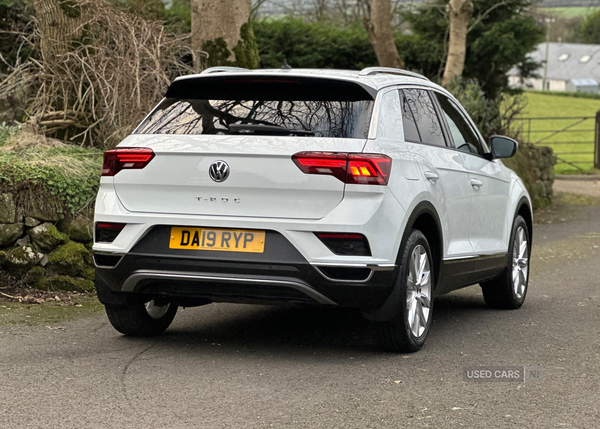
(407, 331)
(508, 291)
(141, 319)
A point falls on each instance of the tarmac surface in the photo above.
(236, 366)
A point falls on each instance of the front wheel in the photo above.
(407, 331)
(141, 319)
(508, 291)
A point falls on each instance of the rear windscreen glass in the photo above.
(263, 105)
(344, 119)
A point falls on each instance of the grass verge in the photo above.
(48, 312)
(47, 173)
(569, 12)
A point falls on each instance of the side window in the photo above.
(465, 138)
(409, 110)
(424, 117)
(389, 126)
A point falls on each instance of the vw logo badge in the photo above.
(218, 171)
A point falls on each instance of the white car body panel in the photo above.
(267, 191)
(264, 182)
(489, 205)
(349, 216)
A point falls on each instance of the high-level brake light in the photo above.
(357, 168)
(123, 158)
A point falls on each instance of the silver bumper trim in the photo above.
(374, 267)
(137, 276)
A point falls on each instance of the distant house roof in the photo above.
(567, 61)
(584, 82)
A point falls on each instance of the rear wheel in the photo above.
(407, 331)
(510, 288)
(141, 318)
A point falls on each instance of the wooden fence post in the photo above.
(597, 142)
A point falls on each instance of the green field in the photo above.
(574, 146)
(568, 12)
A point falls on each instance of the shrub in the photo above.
(492, 116)
(312, 45)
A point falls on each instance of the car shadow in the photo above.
(309, 330)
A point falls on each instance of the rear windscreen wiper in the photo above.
(266, 130)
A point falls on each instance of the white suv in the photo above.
(370, 189)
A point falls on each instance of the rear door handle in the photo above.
(476, 183)
(431, 176)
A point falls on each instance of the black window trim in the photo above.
(398, 90)
(443, 119)
(468, 120)
(440, 118)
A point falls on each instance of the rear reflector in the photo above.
(356, 168)
(345, 244)
(106, 261)
(123, 158)
(107, 232)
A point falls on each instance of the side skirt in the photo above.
(459, 273)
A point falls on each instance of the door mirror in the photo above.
(502, 147)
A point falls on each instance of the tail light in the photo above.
(123, 158)
(345, 244)
(356, 168)
(107, 232)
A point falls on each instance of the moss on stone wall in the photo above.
(535, 166)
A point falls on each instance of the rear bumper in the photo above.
(279, 275)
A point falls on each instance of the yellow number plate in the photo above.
(226, 240)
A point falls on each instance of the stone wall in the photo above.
(42, 255)
(535, 166)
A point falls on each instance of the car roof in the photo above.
(374, 77)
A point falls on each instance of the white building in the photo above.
(567, 66)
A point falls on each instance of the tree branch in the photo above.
(485, 14)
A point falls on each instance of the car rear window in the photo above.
(274, 106)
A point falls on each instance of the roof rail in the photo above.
(375, 70)
(221, 69)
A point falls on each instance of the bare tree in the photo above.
(94, 87)
(379, 28)
(59, 22)
(255, 6)
(459, 14)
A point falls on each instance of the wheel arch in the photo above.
(525, 211)
(425, 218)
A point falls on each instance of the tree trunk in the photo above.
(218, 28)
(379, 28)
(60, 22)
(459, 14)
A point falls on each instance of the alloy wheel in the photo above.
(418, 288)
(520, 265)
